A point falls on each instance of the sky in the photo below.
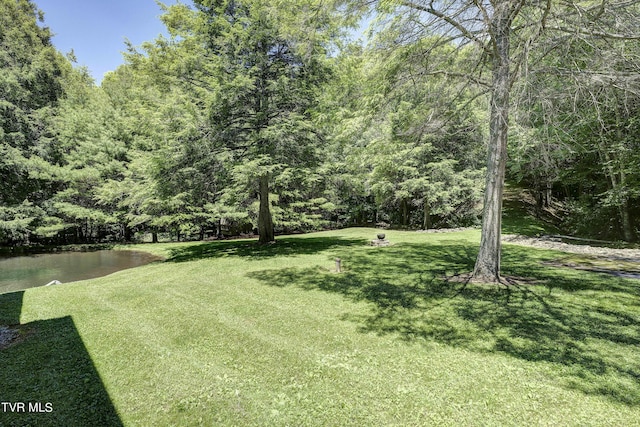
(96, 29)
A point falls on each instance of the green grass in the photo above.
(228, 333)
(519, 216)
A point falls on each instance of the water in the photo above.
(18, 273)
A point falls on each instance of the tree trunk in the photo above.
(487, 267)
(265, 222)
(154, 237)
(548, 195)
(405, 212)
(618, 185)
(427, 215)
(219, 229)
(628, 232)
(627, 227)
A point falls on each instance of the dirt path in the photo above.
(632, 255)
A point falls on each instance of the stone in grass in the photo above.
(380, 241)
(7, 335)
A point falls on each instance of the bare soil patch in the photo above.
(12, 335)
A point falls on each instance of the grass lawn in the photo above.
(231, 334)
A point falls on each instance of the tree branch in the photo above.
(585, 32)
(464, 32)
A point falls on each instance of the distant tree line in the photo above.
(251, 117)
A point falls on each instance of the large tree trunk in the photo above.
(487, 267)
(548, 195)
(265, 222)
(219, 229)
(627, 226)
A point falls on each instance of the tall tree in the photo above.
(32, 75)
(173, 176)
(421, 137)
(577, 113)
(504, 32)
(93, 145)
(267, 68)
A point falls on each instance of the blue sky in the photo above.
(96, 29)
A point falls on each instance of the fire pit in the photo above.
(380, 241)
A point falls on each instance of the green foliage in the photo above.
(32, 76)
(17, 223)
(250, 101)
(578, 132)
(266, 80)
(93, 155)
(414, 142)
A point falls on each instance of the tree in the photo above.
(174, 175)
(93, 149)
(403, 143)
(267, 75)
(504, 32)
(579, 133)
(425, 156)
(347, 115)
(32, 75)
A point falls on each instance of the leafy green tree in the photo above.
(503, 33)
(177, 173)
(32, 75)
(405, 133)
(18, 223)
(267, 78)
(93, 146)
(434, 134)
(347, 116)
(579, 134)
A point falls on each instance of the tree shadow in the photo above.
(251, 249)
(10, 308)
(48, 375)
(584, 324)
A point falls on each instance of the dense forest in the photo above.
(268, 117)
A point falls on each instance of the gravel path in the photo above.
(632, 255)
(446, 230)
(547, 243)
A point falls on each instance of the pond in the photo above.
(23, 272)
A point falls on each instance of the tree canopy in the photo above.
(257, 117)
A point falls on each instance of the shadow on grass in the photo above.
(48, 376)
(584, 325)
(251, 249)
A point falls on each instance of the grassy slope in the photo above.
(226, 333)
